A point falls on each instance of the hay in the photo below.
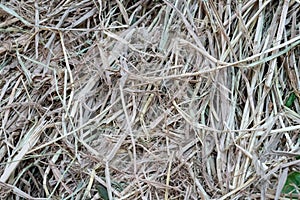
(148, 99)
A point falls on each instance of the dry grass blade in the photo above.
(13, 13)
(27, 143)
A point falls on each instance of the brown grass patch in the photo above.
(148, 99)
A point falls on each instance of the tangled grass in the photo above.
(148, 99)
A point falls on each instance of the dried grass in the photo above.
(148, 99)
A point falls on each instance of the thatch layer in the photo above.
(148, 99)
